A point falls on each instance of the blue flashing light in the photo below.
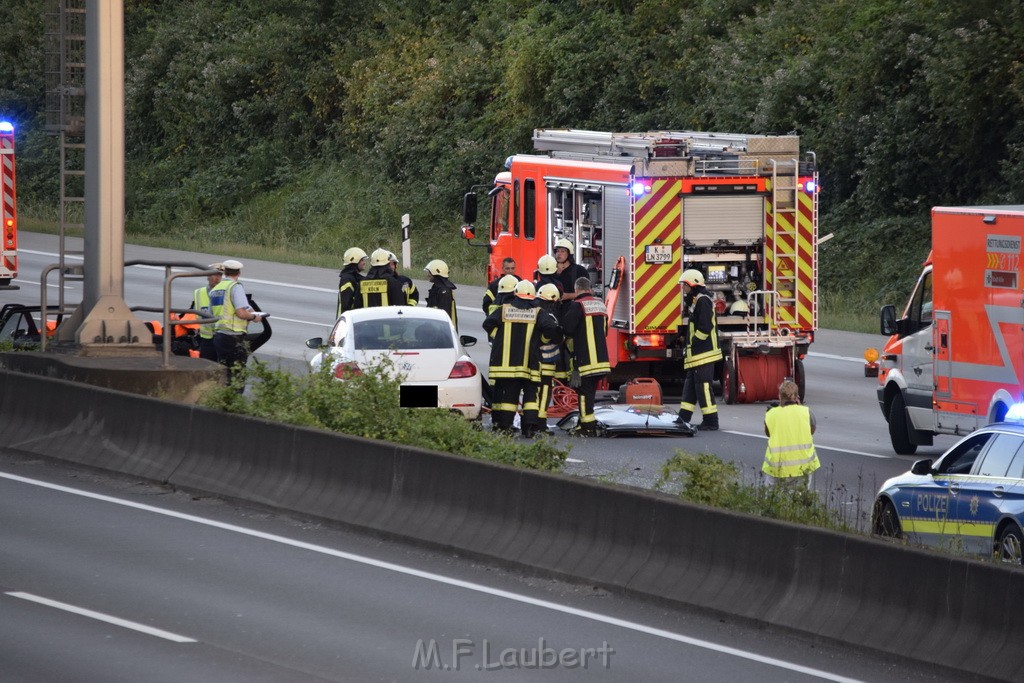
(1015, 414)
(6, 127)
(811, 187)
(639, 188)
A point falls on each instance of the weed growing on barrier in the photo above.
(706, 479)
(366, 405)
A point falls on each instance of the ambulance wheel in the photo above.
(899, 427)
(800, 378)
(886, 521)
(729, 383)
(1010, 543)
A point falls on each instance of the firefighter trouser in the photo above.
(543, 399)
(232, 353)
(506, 402)
(697, 391)
(585, 393)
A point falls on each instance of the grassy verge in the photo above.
(367, 405)
(706, 479)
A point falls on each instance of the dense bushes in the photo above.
(907, 103)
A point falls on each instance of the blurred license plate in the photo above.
(417, 396)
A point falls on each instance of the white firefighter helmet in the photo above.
(354, 255)
(691, 277)
(525, 290)
(507, 284)
(437, 267)
(563, 243)
(392, 258)
(549, 292)
(739, 307)
(379, 257)
(547, 264)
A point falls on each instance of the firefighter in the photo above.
(585, 325)
(506, 290)
(379, 287)
(552, 359)
(702, 352)
(547, 268)
(515, 359)
(790, 455)
(349, 277)
(508, 267)
(412, 295)
(442, 290)
(568, 271)
(229, 303)
(201, 303)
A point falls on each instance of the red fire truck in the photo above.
(8, 207)
(742, 209)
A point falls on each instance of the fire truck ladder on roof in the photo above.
(65, 117)
(786, 256)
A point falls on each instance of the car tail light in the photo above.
(346, 370)
(463, 368)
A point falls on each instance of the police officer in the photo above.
(230, 305)
(552, 358)
(515, 359)
(379, 287)
(790, 454)
(349, 277)
(412, 295)
(201, 303)
(585, 325)
(702, 352)
(442, 290)
(568, 271)
(508, 267)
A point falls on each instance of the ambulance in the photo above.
(955, 359)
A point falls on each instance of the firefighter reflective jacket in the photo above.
(702, 332)
(348, 283)
(379, 288)
(412, 295)
(790, 451)
(518, 327)
(442, 295)
(585, 324)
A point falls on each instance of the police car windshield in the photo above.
(402, 334)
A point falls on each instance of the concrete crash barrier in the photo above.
(948, 611)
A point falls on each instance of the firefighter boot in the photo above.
(684, 417)
(710, 423)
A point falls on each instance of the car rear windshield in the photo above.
(402, 334)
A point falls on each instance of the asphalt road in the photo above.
(852, 437)
(104, 578)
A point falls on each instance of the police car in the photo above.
(970, 500)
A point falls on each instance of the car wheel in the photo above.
(1010, 543)
(899, 427)
(886, 521)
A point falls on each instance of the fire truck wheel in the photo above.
(886, 521)
(729, 384)
(800, 377)
(899, 428)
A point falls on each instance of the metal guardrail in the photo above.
(169, 277)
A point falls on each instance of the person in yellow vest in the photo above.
(230, 305)
(790, 455)
(201, 303)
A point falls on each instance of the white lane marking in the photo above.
(573, 460)
(437, 578)
(831, 356)
(817, 445)
(99, 616)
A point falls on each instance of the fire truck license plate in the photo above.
(658, 253)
